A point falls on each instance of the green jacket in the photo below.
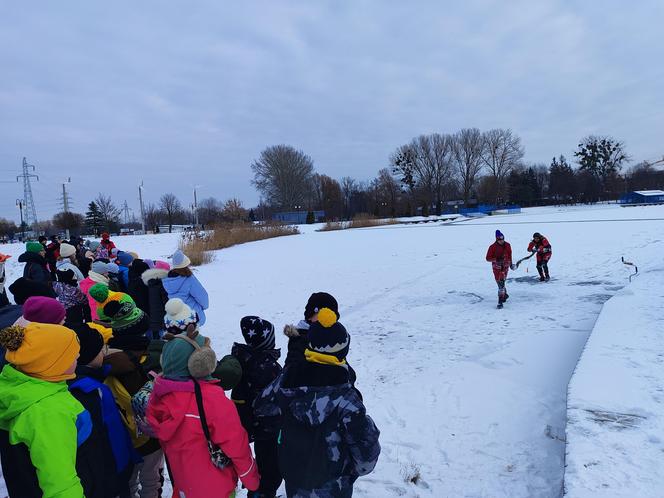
(49, 421)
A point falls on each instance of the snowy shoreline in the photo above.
(616, 398)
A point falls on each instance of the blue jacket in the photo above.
(190, 290)
(123, 277)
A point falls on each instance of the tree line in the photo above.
(433, 172)
(425, 176)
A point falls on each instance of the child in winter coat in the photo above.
(36, 267)
(3, 294)
(176, 321)
(124, 261)
(106, 460)
(297, 334)
(67, 261)
(181, 283)
(103, 251)
(127, 351)
(260, 366)
(98, 275)
(114, 282)
(152, 280)
(174, 413)
(71, 297)
(41, 424)
(322, 417)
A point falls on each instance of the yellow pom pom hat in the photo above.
(328, 340)
(40, 350)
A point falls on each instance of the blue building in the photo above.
(642, 197)
(298, 217)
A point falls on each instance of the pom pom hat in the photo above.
(178, 316)
(34, 247)
(328, 340)
(499, 235)
(42, 351)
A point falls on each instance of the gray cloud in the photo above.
(181, 94)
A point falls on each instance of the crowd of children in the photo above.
(108, 381)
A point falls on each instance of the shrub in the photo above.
(311, 218)
(198, 247)
(360, 221)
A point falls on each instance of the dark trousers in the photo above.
(267, 459)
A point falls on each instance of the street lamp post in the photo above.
(19, 203)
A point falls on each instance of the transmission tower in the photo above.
(28, 201)
(66, 198)
(125, 210)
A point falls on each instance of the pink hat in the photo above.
(162, 265)
(43, 310)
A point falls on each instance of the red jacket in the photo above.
(500, 255)
(173, 414)
(543, 248)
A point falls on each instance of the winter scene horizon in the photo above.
(331, 249)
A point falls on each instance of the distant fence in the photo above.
(485, 209)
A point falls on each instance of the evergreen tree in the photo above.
(311, 218)
(93, 218)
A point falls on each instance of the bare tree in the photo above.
(388, 191)
(209, 211)
(468, 147)
(172, 209)
(153, 217)
(502, 151)
(109, 212)
(66, 220)
(426, 164)
(282, 174)
(348, 189)
(234, 211)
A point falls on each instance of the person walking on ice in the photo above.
(500, 257)
(541, 246)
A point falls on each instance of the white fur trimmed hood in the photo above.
(152, 274)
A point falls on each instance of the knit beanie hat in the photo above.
(99, 267)
(105, 236)
(67, 250)
(129, 325)
(112, 268)
(162, 265)
(180, 359)
(43, 351)
(43, 310)
(257, 333)
(93, 245)
(499, 235)
(124, 258)
(66, 276)
(34, 247)
(90, 340)
(328, 340)
(319, 300)
(180, 260)
(23, 288)
(178, 316)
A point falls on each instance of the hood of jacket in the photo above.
(244, 353)
(153, 274)
(170, 400)
(176, 285)
(32, 257)
(120, 362)
(18, 392)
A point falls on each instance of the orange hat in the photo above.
(40, 350)
(4, 257)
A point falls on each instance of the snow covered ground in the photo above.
(471, 400)
(615, 429)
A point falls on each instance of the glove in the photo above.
(546, 249)
(534, 249)
(512, 266)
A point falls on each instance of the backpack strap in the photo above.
(201, 410)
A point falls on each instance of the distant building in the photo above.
(297, 217)
(642, 197)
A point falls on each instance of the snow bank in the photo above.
(615, 430)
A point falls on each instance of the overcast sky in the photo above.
(179, 94)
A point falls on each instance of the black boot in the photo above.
(547, 277)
